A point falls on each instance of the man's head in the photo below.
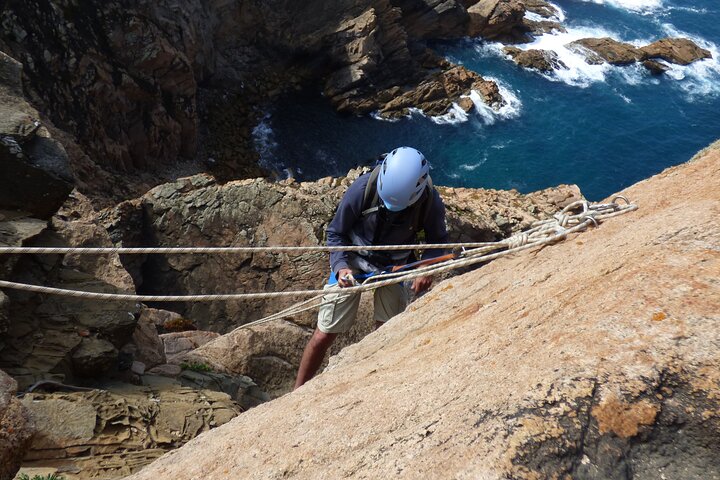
(403, 177)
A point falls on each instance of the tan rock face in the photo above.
(676, 50)
(110, 434)
(583, 359)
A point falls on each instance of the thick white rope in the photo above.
(543, 233)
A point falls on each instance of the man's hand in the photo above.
(421, 284)
(341, 274)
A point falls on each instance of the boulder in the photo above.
(37, 164)
(600, 50)
(676, 50)
(595, 357)
(542, 60)
(116, 432)
(498, 20)
(150, 349)
(656, 68)
(177, 344)
(16, 428)
(94, 357)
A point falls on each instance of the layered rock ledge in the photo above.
(593, 358)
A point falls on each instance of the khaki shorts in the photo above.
(338, 312)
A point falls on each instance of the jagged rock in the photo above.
(656, 68)
(177, 344)
(37, 164)
(434, 96)
(543, 60)
(150, 348)
(676, 50)
(242, 389)
(600, 50)
(433, 19)
(592, 358)
(114, 433)
(43, 339)
(166, 370)
(543, 26)
(16, 428)
(498, 19)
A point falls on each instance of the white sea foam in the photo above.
(265, 144)
(645, 7)
(700, 79)
(577, 72)
(510, 109)
(474, 166)
(454, 115)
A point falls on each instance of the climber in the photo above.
(388, 206)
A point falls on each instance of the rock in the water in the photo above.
(542, 60)
(595, 357)
(676, 50)
(115, 433)
(599, 50)
(16, 428)
(435, 96)
(37, 164)
(656, 68)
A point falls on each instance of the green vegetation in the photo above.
(50, 476)
(196, 367)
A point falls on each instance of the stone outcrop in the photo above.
(113, 433)
(434, 96)
(680, 51)
(36, 163)
(60, 338)
(497, 19)
(542, 60)
(676, 50)
(593, 358)
(16, 428)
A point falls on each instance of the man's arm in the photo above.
(348, 213)
(435, 232)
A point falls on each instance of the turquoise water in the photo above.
(600, 127)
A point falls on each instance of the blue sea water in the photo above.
(601, 127)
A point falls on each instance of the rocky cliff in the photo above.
(593, 358)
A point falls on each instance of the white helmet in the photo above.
(403, 177)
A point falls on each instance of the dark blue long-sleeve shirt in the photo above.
(349, 227)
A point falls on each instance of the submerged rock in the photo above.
(592, 358)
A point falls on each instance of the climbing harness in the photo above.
(543, 232)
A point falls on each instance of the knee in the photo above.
(322, 340)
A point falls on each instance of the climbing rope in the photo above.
(542, 233)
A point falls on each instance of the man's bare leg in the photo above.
(313, 356)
